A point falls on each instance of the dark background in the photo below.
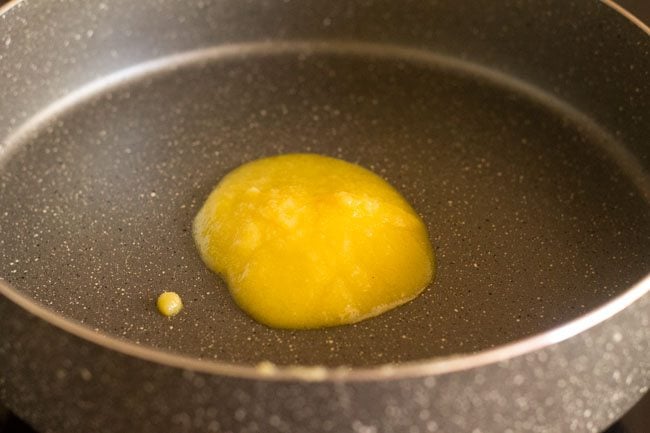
(636, 421)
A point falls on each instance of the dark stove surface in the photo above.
(637, 420)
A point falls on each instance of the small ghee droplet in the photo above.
(169, 304)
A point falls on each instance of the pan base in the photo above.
(534, 217)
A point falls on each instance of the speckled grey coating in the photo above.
(536, 201)
(62, 383)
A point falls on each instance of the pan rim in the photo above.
(610, 3)
(427, 367)
(430, 367)
(10, 4)
(627, 14)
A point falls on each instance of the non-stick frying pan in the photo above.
(518, 130)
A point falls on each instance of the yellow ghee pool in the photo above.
(308, 241)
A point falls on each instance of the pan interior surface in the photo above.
(534, 222)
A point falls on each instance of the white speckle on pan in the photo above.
(360, 427)
(85, 374)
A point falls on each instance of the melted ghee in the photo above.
(308, 241)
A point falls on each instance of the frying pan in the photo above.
(518, 131)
